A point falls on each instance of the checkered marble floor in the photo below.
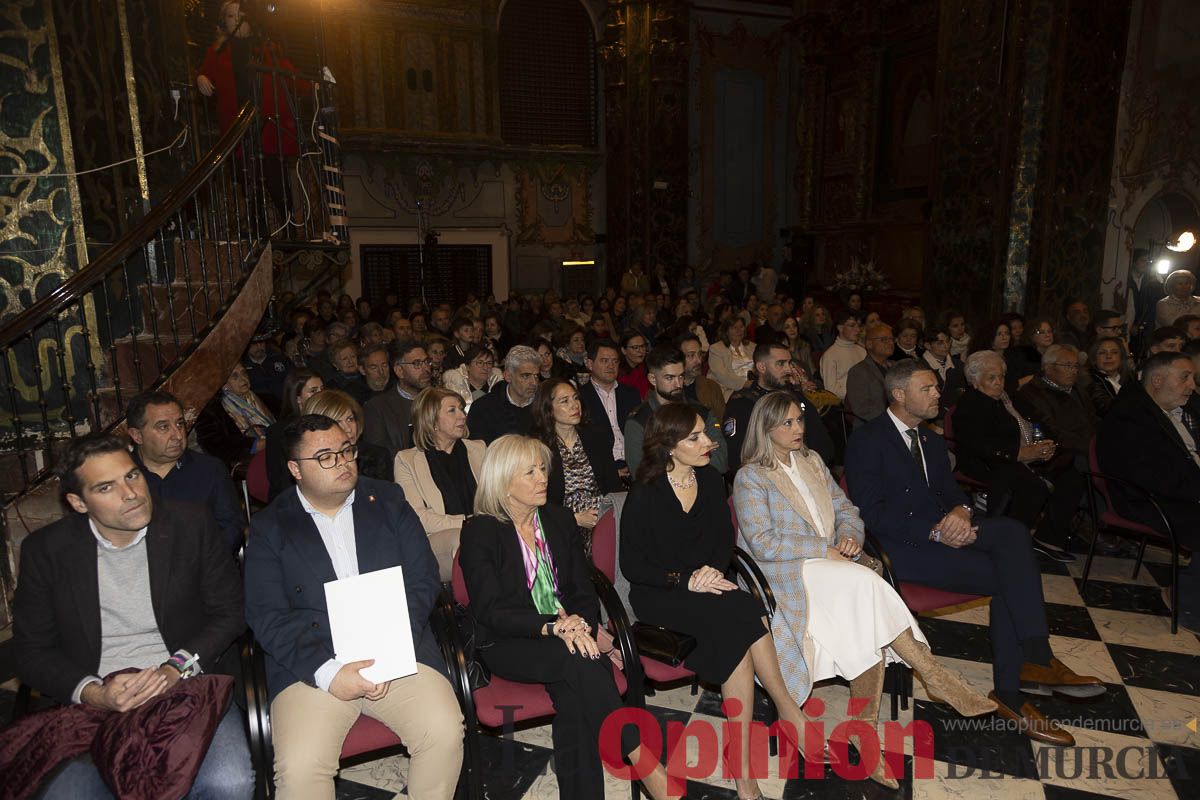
(1133, 742)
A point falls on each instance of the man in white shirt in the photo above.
(607, 401)
(843, 354)
(334, 526)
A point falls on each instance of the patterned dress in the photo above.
(581, 490)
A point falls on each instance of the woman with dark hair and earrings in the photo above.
(582, 470)
(298, 386)
(676, 543)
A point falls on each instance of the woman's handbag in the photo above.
(662, 644)
(478, 674)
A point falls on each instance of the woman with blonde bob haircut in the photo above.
(439, 473)
(345, 411)
(536, 612)
(835, 617)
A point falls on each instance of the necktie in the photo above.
(915, 448)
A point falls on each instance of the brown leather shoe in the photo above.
(1058, 677)
(1034, 724)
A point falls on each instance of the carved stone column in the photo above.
(645, 57)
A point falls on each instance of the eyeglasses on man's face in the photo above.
(424, 362)
(329, 459)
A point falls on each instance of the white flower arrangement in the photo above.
(859, 277)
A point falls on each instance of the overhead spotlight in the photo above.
(1163, 266)
(1185, 242)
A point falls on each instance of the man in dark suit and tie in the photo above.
(335, 525)
(607, 401)
(127, 582)
(900, 478)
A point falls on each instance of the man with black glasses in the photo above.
(387, 416)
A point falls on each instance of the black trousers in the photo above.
(1001, 563)
(583, 693)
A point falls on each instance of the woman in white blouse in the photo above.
(731, 359)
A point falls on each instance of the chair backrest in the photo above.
(459, 584)
(948, 427)
(257, 483)
(604, 545)
(1097, 479)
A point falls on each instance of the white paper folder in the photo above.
(368, 617)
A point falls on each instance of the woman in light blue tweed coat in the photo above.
(835, 617)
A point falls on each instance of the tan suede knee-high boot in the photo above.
(869, 687)
(947, 685)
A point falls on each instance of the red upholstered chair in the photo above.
(604, 559)
(367, 740)
(502, 704)
(1111, 521)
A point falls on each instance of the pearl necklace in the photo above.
(684, 484)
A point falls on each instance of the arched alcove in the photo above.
(1161, 222)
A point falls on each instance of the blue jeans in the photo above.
(225, 773)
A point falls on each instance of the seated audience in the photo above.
(1189, 326)
(439, 472)
(997, 338)
(582, 470)
(1109, 323)
(908, 340)
(238, 429)
(475, 377)
(665, 374)
(676, 544)
(807, 536)
(505, 409)
(265, 369)
(300, 385)
(1041, 336)
(1053, 400)
(1143, 439)
(1076, 327)
(866, 397)
(346, 376)
(1110, 368)
(158, 430)
(900, 478)
(462, 332)
(731, 357)
(842, 354)
(127, 582)
(698, 387)
(799, 345)
(1179, 299)
(634, 347)
(536, 612)
(773, 371)
(373, 460)
(1165, 340)
(821, 333)
(388, 420)
(570, 352)
(946, 368)
(608, 402)
(1016, 328)
(960, 339)
(374, 365)
(995, 444)
(335, 526)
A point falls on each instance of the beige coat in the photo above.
(413, 475)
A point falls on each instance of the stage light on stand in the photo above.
(1185, 242)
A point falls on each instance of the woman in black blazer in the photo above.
(536, 611)
(582, 470)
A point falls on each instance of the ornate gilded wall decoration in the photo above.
(41, 242)
(553, 203)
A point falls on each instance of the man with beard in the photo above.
(373, 366)
(159, 433)
(664, 371)
(387, 416)
(773, 366)
(699, 388)
(335, 526)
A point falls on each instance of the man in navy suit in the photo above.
(900, 478)
(336, 525)
(608, 402)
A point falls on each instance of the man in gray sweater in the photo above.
(127, 583)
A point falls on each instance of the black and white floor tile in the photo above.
(1138, 741)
